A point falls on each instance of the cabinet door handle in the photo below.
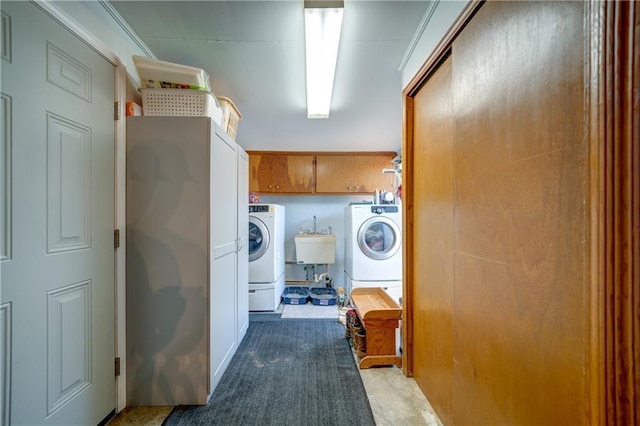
(357, 187)
(348, 187)
(277, 186)
(270, 186)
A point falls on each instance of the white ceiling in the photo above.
(254, 53)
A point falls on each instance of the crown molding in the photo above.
(118, 19)
(428, 14)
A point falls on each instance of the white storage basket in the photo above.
(181, 102)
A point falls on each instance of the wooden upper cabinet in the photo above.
(353, 172)
(281, 172)
(320, 172)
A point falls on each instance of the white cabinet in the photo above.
(185, 271)
(243, 241)
(222, 251)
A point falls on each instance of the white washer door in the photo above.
(379, 238)
(259, 238)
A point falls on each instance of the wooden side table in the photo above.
(380, 315)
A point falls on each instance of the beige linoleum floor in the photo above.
(394, 398)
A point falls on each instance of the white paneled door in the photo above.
(56, 224)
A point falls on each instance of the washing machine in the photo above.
(266, 256)
(373, 242)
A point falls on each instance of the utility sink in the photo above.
(318, 249)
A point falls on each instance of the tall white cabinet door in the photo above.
(56, 224)
(168, 178)
(223, 253)
(243, 239)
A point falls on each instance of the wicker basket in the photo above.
(351, 318)
(360, 342)
(180, 102)
(230, 116)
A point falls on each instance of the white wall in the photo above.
(299, 212)
(95, 17)
(437, 20)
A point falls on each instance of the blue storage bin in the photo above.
(295, 295)
(323, 296)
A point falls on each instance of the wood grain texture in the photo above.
(408, 240)
(281, 173)
(501, 297)
(621, 223)
(519, 161)
(633, 246)
(595, 374)
(432, 254)
(373, 303)
(300, 172)
(379, 314)
(357, 173)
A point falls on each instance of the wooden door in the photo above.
(499, 266)
(432, 256)
(357, 173)
(57, 214)
(281, 173)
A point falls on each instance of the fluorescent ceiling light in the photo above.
(322, 26)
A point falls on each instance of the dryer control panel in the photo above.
(384, 209)
(258, 209)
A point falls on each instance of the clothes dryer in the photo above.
(373, 242)
(266, 256)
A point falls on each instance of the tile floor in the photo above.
(394, 398)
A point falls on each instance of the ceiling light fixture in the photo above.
(322, 26)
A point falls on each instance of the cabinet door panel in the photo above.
(242, 289)
(222, 301)
(356, 173)
(281, 173)
(223, 195)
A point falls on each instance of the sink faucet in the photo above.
(314, 224)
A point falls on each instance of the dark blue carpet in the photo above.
(286, 372)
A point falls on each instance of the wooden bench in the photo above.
(380, 316)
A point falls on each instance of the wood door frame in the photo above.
(612, 131)
(439, 54)
(615, 137)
